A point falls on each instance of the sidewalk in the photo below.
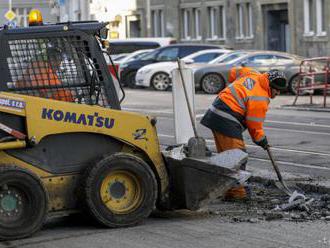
(303, 103)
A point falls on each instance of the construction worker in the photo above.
(243, 105)
(42, 74)
(237, 72)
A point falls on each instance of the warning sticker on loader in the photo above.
(11, 103)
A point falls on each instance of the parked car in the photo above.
(158, 75)
(130, 45)
(135, 55)
(213, 78)
(116, 57)
(167, 53)
(128, 57)
(225, 58)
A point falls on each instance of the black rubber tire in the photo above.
(120, 162)
(164, 74)
(130, 80)
(291, 87)
(34, 202)
(215, 89)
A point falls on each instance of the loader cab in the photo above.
(61, 61)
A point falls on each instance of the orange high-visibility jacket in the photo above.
(237, 72)
(41, 74)
(249, 96)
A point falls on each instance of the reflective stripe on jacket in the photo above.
(249, 96)
(237, 72)
(220, 118)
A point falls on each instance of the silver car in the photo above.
(213, 78)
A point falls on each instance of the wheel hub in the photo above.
(117, 190)
(10, 204)
(120, 192)
(161, 82)
(211, 83)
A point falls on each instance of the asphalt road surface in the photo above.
(300, 142)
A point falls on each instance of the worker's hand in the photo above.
(263, 143)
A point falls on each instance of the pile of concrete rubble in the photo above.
(267, 203)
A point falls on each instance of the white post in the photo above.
(182, 122)
(10, 4)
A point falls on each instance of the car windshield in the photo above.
(227, 58)
(149, 56)
(119, 57)
(134, 56)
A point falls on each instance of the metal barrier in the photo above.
(313, 75)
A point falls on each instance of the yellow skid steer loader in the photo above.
(66, 145)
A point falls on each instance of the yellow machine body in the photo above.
(45, 117)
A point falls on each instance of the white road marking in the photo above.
(293, 164)
(273, 148)
(311, 124)
(279, 162)
(148, 110)
(295, 131)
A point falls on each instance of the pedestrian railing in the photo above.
(313, 75)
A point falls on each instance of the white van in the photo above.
(118, 46)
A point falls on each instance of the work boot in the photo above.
(236, 193)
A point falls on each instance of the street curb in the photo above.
(304, 108)
(308, 186)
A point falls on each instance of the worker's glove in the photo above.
(263, 143)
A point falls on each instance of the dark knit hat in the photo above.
(277, 80)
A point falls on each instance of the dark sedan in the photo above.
(167, 53)
(213, 78)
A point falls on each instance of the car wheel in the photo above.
(293, 84)
(160, 81)
(130, 80)
(212, 83)
(120, 190)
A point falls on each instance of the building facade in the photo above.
(71, 10)
(122, 15)
(22, 9)
(296, 26)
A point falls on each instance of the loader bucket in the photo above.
(194, 182)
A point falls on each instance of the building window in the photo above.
(249, 20)
(22, 15)
(161, 27)
(157, 19)
(320, 18)
(239, 21)
(308, 17)
(244, 25)
(213, 22)
(197, 22)
(222, 22)
(217, 22)
(186, 24)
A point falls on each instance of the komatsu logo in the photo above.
(80, 119)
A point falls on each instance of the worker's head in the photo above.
(277, 82)
(54, 56)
